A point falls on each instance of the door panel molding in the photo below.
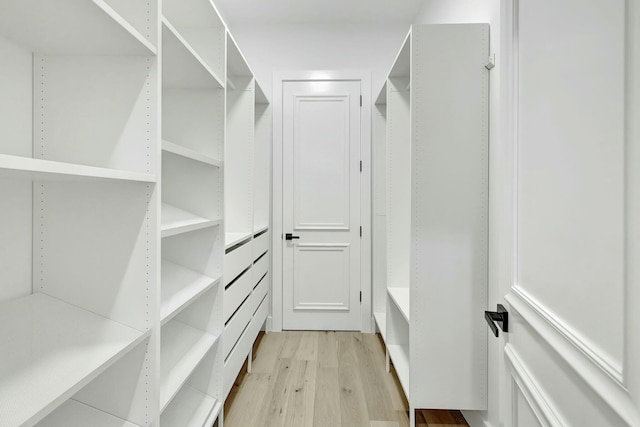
(299, 168)
(274, 322)
(608, 388)
(345, 305)
(603, 387)
(538, 401)
(579, 348)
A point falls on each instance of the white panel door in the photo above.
(321, 205)
(572, 287)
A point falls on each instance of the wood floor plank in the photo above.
(327, 398)
(403, 418)
(268, 353)
(441, 418)
(324, 379)
(353, 406)
(375, 389)
(274, 408)
(308, 347)
(291, 343)
(300, 407)
(251, 394)
(327, 350)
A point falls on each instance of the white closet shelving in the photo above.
(193, 94)
(112, 226)
(78, 208)
(431, 219)
(247, 183)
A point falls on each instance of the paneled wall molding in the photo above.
(576, 354)
(537, 399)
(569, 334)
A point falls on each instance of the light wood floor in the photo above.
(323, 379)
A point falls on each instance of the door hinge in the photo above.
(360, 165)
(360, 231)
(361, 100)
(360, 296)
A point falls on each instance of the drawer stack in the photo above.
(246, 305)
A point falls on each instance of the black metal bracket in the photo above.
(290, 236)
(501, 316)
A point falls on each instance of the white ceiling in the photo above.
(270, 12)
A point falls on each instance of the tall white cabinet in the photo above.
(432, 112)
(247, 184)
(115, 119)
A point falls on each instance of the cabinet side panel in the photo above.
(239, 157)
(16, 88)
(95, 247)
(398, 183)
(449, 216)
(15, 238)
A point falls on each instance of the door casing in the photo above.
(274, 322)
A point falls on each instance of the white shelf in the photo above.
(176, 221)
(381, 321)
(76, 414)
(231, 239)
(191, 408)
(182, 349)
(400, 357)
(17, 167)
(71, 27)
(182, 67)
(181, 286)
(401, 297)
(179, 150)
(51, 350)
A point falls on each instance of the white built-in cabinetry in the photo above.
(79, 205)
(112, 211)
(191, 295)
(247, 183)
(430, 223)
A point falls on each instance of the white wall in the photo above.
(319, 47)
(476, 11)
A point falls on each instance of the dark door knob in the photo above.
(290, 236)
(501, 316)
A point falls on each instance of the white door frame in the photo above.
(274, 322)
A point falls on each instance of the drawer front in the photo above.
(236, 359)
(236, 325)
(236, 293)
(236, 261)
(261, 244)
(259, 318)
(259, 293)
(260, 268)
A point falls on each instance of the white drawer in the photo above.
(260, 268)
(261, 244)
(259, 293)
(236, 293)
(236, 261)
(236, 325)
(236, 359)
